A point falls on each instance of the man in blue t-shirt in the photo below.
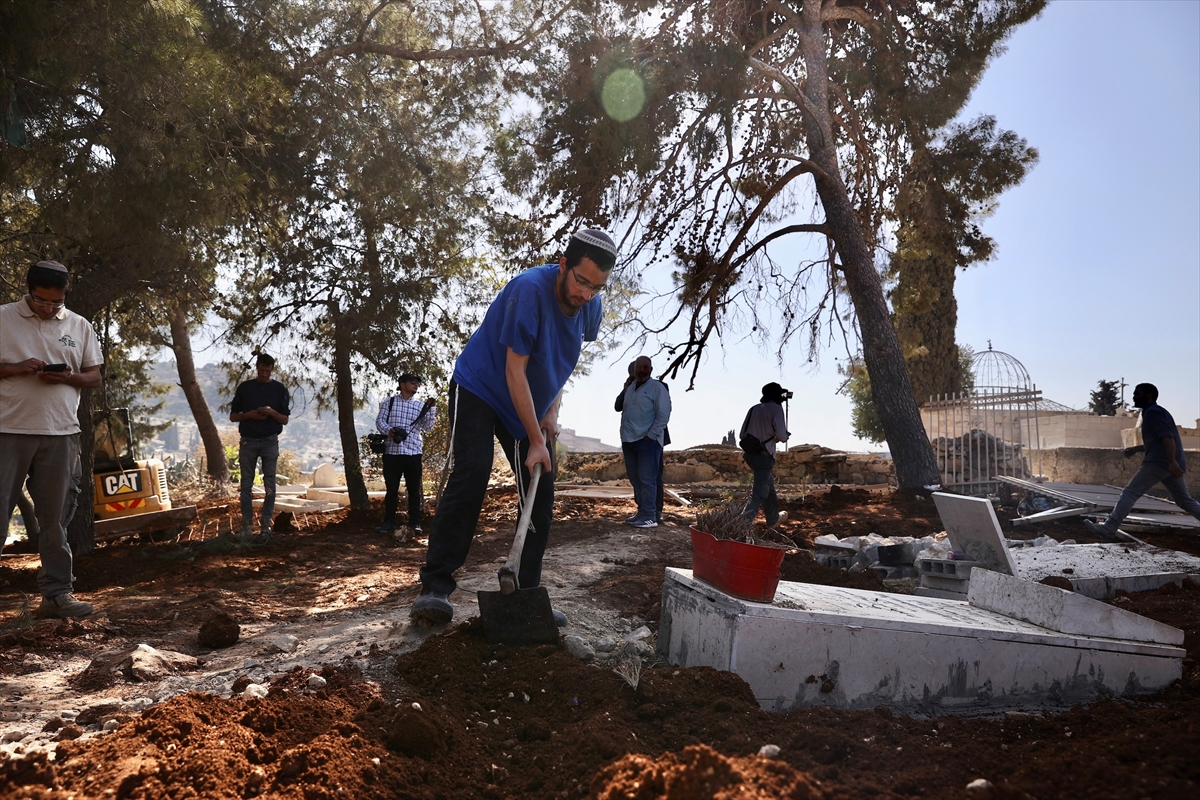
(1164, 462)
(507, 384)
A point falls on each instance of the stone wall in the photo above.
(1082, 430)
(1102, 465)
(810, 463)
(806, 463)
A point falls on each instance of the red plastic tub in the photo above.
(748, 571)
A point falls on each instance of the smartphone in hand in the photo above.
(54, 368)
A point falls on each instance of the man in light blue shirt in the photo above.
(644, 416)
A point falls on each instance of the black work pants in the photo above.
(475, 424)
(393, 468)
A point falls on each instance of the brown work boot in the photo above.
(63, 606)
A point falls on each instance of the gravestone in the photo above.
(974, 531)
(325, 476)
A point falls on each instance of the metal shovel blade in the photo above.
(523, 617)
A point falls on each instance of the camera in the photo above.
(787, 394)
(399, 434)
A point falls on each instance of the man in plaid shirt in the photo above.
(403, 419)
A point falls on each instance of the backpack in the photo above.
(749, 443)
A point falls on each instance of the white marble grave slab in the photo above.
(847, 648)
(1064, 611)
(1098, 570)
(973, 529)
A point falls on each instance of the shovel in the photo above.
(514, 615)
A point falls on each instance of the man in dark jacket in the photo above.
(765, 425)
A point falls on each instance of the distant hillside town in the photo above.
(311, 434)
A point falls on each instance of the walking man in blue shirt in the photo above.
(260, 407)
(1164, 463)
(507, 384)
(645, 411)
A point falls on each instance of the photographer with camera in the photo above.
(404, 419)
(765, 425)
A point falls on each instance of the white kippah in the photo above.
(596, 238)
(54, 265)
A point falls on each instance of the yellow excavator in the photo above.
(131, 495)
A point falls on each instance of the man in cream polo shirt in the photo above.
(47, 355)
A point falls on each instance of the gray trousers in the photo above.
(1141, 482)
(49, 462)
(251, 450)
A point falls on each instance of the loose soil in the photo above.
(409, 713)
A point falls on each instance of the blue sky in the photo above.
(1098, 267)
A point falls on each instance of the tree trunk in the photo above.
(181, 345)
(80, 533)
(891, 388)
(345, 408)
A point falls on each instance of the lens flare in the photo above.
(623, 95)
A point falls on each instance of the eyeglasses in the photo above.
(41, 301)
(582, 284)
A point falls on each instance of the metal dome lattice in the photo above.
(997, 372)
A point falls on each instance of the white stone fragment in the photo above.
(979, 786)
(606, 644)
(416, 707)
(138, 704)
(250, 663)
(111, 725)
(639, 634)
(316, 682)
(254, 690)
(769, 751)
(578, 647)
(12, 736)
(323, 649)
(285, 643)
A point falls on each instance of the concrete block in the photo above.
(943, 594)
(945, 582)
(1064, 611)
(847, 648)
(947, 567)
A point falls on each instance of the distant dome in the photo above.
(999, 373)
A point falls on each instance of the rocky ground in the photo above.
(328, 692)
